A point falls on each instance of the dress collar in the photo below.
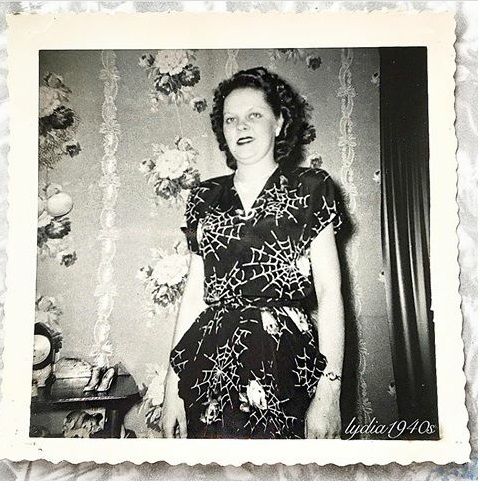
(270, 182)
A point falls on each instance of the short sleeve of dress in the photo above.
(324, 207)
(200, 201)
(193, 214)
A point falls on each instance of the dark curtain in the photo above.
(405, 231)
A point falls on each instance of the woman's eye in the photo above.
(255, 115)
(229, 120)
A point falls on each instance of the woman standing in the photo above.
(246, 359)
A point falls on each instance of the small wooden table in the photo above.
(67, 394)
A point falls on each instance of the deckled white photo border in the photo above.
(27, 34)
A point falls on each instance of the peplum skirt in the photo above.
(248, 368)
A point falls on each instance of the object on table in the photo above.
(101, 379)
(107, 379)
(72, 368)
(95, 379)
(46, 343)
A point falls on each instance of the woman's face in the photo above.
(249, 125)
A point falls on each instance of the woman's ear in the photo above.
(279, 125)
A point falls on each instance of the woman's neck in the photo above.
(255, 172)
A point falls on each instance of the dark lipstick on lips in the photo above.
(244, 140)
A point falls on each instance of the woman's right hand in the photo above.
(173, 411)
(192, 304)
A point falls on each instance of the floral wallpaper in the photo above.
(57, 125)
(139, 139)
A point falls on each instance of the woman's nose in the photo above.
(242, 125)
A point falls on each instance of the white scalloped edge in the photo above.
(327, 29)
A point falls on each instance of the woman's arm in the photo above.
(192, 303)
(323, 416)
(191, 306)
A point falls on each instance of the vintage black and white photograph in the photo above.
(236, 244)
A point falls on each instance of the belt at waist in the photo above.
(242, 301)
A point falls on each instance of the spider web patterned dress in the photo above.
(249, 365)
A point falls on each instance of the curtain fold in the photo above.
(405, 222)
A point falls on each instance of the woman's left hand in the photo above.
(323, 419)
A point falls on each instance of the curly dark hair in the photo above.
(296, 130)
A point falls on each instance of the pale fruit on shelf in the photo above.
(59, 204)
(41, 205)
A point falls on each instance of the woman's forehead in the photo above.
(243, 98)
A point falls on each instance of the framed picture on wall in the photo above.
(246, 240)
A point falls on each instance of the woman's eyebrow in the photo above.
(258, 106)
(253, 107)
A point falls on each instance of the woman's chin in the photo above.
(245, 155)
(248, 158)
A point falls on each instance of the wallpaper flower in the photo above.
(57, 123)
(172, 171)
(174, 74)
(164, 279)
